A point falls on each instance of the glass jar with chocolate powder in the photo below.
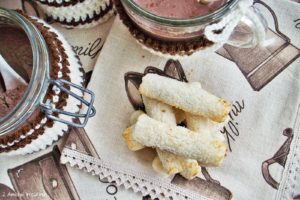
(167, 21)
(41, 59)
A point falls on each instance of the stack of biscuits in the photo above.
(77, 13)
(180, 149)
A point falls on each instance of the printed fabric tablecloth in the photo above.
(262, 134)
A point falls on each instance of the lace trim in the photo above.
(127, 178)
(291, 174)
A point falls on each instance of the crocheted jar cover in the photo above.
(182, 48)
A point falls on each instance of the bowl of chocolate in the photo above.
(41, 85)
(176, 27)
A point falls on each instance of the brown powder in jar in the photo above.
(16, 49)
(10, 98)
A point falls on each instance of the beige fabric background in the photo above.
(260, 124)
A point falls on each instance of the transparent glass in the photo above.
(185, 29)
(39, 81)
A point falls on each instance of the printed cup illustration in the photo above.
(179, 28)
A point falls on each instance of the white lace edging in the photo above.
(291, 175)
(127, 178)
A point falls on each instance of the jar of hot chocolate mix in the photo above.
(176, 27)
(39, 109)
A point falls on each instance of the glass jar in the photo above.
(34, 97)
(173, 29)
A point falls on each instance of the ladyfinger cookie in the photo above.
(201, 124)
(189, 97)
(158, 167)
(159, 111)
(127, 134)
(180, 115)
(199, 146)
(172, 163)
(134, 116)
(132, 144)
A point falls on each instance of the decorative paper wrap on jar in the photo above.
(176, 37)
(54, 93)
(77, 13)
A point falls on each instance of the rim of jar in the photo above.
(39, 81)
(199, 20)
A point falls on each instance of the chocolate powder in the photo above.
(10, 98)
(16, 50)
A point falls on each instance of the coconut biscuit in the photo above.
(203, 147)
(189, 97)
(172, 163)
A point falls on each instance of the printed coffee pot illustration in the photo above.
(206, 186)
(270, 60)
(279, 157)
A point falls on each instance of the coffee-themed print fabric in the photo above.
(262, 133)
(40, 175)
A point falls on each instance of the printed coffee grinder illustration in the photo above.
(270, 60)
